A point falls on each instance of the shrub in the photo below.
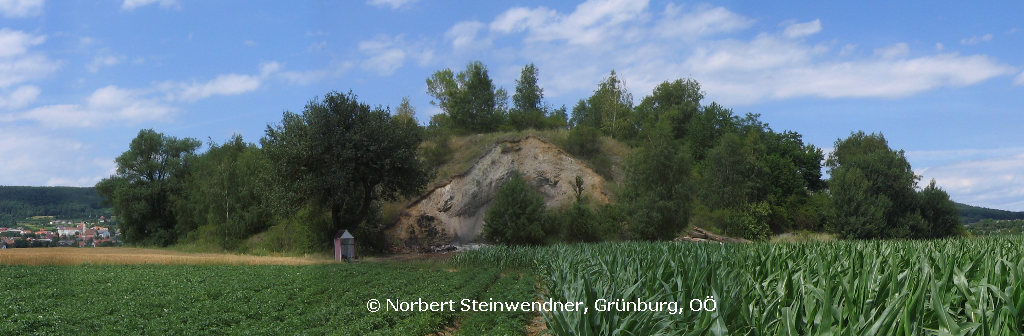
(754, 221)
(584, 141)
(517, 216)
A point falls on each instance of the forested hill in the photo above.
(970, 214)
(18, 203)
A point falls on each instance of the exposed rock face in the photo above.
(453, 212)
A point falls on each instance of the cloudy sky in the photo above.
(942, 80)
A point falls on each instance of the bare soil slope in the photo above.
(453, 212)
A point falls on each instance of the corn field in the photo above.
(942, 287)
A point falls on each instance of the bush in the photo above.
(754, 221)
(437, 151)
(578, 223)
(517, 216)
(584, 141)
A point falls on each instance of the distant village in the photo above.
(65, 233)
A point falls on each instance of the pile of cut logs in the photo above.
(697, 234)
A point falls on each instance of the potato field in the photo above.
(245, 299)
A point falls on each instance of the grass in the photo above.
(128, 255)
(804, 237)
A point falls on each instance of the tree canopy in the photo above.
(874, 193)
(150, 176)
(342, 155)
(469, 99)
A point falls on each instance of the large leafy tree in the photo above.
(675, 102)
(149, 178)
(609, 109)
(732, 171)
(469, 99)
(658, 191)
(869, 178)
(342, 155)
(528, 109)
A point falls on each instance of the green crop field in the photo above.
(248, 299)
(944, 287)
(967, 286)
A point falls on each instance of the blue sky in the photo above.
(942, 80)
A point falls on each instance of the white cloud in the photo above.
(894, 51)
(18, 63)
(703, 21)
(847, 50)
(33, 157)
(520, 18)
(16, 42)
(976, 39)
(864, 78)
(106, 105)
(20, 8)
(386, 54)
(230, 84)
(590, 23)
(133, 4)
(101, 61)
(701, 42)
(222, 85)
(20, 97)
(798, 30)
(994, 181)
(307, 77)
(394, 4)
(1019, 80)
(464, 35)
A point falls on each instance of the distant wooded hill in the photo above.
(18, 203)
(970, 214)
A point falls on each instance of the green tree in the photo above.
(675, 103)
(469, 98)
(731, 172)
(874, 179)
(343, 156)
(858, 212)
(610, 107)
(517, 216)
(939, 212)
(557, 119)
(225, 193)
(149, 177)
(528, 109)
(707, 126)
(583, 115)
(405, 110)
(658, 190)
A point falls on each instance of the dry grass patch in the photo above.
(128, 255)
